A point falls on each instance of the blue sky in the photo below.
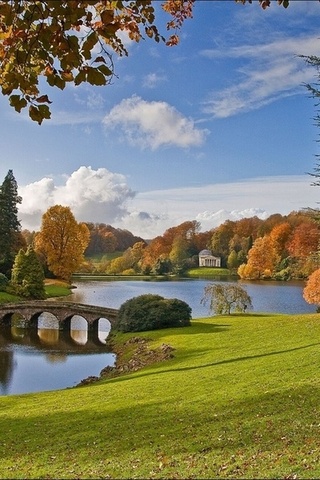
(217, 127)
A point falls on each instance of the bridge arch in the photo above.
(62, 311)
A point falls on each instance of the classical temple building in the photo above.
(206, 259)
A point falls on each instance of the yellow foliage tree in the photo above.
(62, 241)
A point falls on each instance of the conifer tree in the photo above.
(11, 239)
(27, 275)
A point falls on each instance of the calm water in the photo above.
(280, 297)
(50, 359)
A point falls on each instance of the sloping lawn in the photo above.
(240, 399)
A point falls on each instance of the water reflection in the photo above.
(47, 358)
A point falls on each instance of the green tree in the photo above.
(225, 298)
(152, 312)
(220, 240)
(27, 275)
(11, 239)
(179, 254)
(233, 261)
(62, 241)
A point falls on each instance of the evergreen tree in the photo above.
(11, 239)
(27, 275)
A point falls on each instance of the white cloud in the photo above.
(153, 80)
(153, 124)
(212, 204)
(102, 196)
(269, 71)
(93, 195)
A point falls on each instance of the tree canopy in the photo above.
(62, 241)
(152, 312)
(72, 41)
(223, 299)
(27, 277)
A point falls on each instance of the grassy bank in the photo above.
(239, 399)
(208, 272)
(57, 288)
(53, 288)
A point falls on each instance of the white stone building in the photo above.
(206, 259)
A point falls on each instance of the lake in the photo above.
(50, 359)
(282, 297)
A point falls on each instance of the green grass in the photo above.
(8, 298)
(240, 399)
(208, 272)
(57, 290)
(53, 288)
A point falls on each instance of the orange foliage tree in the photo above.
(262, 260)
(62, 241)
(311, 292)
(305, 240)
(279, 237)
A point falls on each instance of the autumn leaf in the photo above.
(43, 99)
(95, 77)
(17, 102)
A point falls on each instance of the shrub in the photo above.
(152, 312)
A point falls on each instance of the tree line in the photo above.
(281, 247)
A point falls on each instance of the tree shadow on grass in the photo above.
(212, 364)
(261, 427)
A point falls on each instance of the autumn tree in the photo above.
(129, 262)
(102, 240)
(225, 298)
(262, 260)
(72, 41)
(62, 241)
(173, 249)
(11, 239)
(311, 292)
(303, 247)
(220, 240)
(27, 277)
(279, 237)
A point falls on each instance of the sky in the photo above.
(218, 127)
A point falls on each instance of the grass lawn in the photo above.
(207, 272)
(57, 288)
(8, 298)
(240, 399)
(53, 288)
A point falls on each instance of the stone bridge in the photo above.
(63, 311)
